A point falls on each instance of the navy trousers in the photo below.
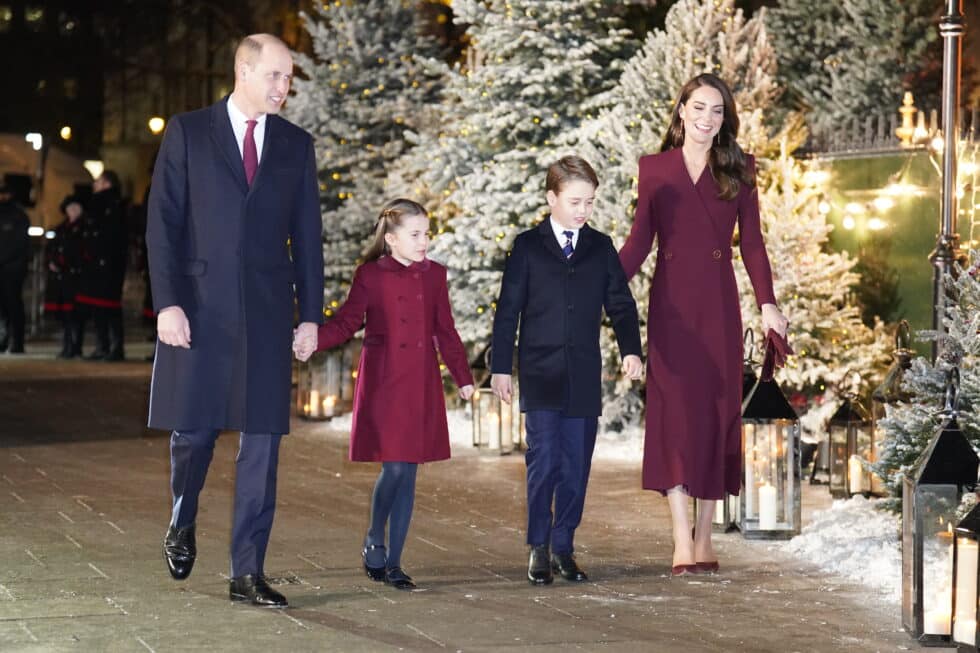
(255, 490)
(558, 458)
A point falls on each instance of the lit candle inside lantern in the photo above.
(965, 625)
(767, 508)
(936, 622)
(855, 475)
(328, 405)
(314, 403)
(493, 423)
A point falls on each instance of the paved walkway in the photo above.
(84, 505)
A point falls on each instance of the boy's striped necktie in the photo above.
(567, 247)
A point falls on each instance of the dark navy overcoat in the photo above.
(234, 258)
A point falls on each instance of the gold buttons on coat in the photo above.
(716, 254)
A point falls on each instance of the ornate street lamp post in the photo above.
(951, 27)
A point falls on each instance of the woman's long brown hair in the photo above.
(726, 160)
(391, 216)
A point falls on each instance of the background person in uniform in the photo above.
(63, 260)
(105, 250)
(233, 223)
(15, 253)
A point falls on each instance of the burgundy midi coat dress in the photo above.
(399, 410)
(694, 327)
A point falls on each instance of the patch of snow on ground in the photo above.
(855, 540)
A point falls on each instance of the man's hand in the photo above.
(633, 367)
(502, 387)
(466, 392)
(173, 328)
(305, 340)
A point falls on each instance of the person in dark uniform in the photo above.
(104, 249)
(63, 259)
(15, 252)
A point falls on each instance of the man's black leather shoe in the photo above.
(256, 591)
(565, 565)
(539, 566)
(96, 355)
(180, 551)
(398, 579)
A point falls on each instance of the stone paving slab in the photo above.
(84, 505)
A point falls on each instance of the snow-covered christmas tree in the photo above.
(364, 88)
(909, 426)
(529, 74)
(851, 59)
(811, 284)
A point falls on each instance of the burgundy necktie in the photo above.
(250, 156)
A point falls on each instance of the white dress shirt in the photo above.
(239, 124)
(558, 229)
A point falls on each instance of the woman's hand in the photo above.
(466, 392)
(772, 318)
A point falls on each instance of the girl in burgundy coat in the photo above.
(691, 196)
(399, 419)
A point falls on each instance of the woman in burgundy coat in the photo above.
(399, 419)
(691, 196)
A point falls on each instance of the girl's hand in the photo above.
(772, 318)
(466, 392)
(305, 340)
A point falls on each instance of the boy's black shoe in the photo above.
(565, 565)
(539, 566)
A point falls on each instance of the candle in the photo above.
(314, 403)
(493, 424)
(749, 493)
(965, 625)
(328, 405)
(855, 474)
(936, 622)
(767, 508)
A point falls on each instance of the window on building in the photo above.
(34, 17)
(71, 88)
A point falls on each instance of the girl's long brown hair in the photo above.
(726, 160)
(391, 216)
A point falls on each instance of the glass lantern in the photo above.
(770, 497)
(966, 582)
(849, 437)
(931, 493)
(889, 393)
(318, 385)
(493, 420)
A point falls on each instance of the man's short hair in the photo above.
(570, 168)
(250, 47)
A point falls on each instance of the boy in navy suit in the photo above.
(559, 277)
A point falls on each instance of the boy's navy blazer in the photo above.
(558, 304)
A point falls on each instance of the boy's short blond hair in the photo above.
(570, 168)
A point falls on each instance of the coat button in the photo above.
(571, 307)
(401, 298)
(669, 255)
(419, 344)
(716, 254)
(415, 276)
(418, 296)
(401, 346)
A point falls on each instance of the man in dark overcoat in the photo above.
(105, 246)
(234, 236)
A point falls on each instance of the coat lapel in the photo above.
(270, 148)
(586, 239)
(698, 189)
(224, 138)
(550, 242)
